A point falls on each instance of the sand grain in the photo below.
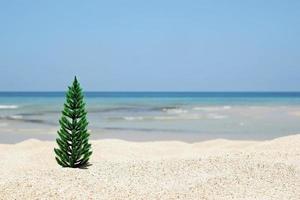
(218, 169)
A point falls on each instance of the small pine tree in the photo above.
(73, 149)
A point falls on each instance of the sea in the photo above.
(198, 115)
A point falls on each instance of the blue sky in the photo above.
(150, 45)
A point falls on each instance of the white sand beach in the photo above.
(216, 169)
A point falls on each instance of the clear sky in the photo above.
(157, 45)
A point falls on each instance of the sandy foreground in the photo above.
(217, 169)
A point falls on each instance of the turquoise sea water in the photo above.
(240, 115)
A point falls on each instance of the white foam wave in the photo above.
(175, 111)
(208, 109)
(227, 107)
(185, 116)
(164, 117)
(16, 117)
(8, 106)
(133, 118)
(179, 117)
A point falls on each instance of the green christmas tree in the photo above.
(73, 149)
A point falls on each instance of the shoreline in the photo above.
(10, 137)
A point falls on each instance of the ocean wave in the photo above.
(16, 117)
(20, 118)
(157, 118)
(227, 107)
(174, 110)
(152, 118)
(208, 109)
(125, 109)
(148, 129)
(35, 114)
(133, 118)
(179, 117)
(9, 106)
(114, 109)
(191, 116)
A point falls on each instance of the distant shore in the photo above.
(215, 169)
